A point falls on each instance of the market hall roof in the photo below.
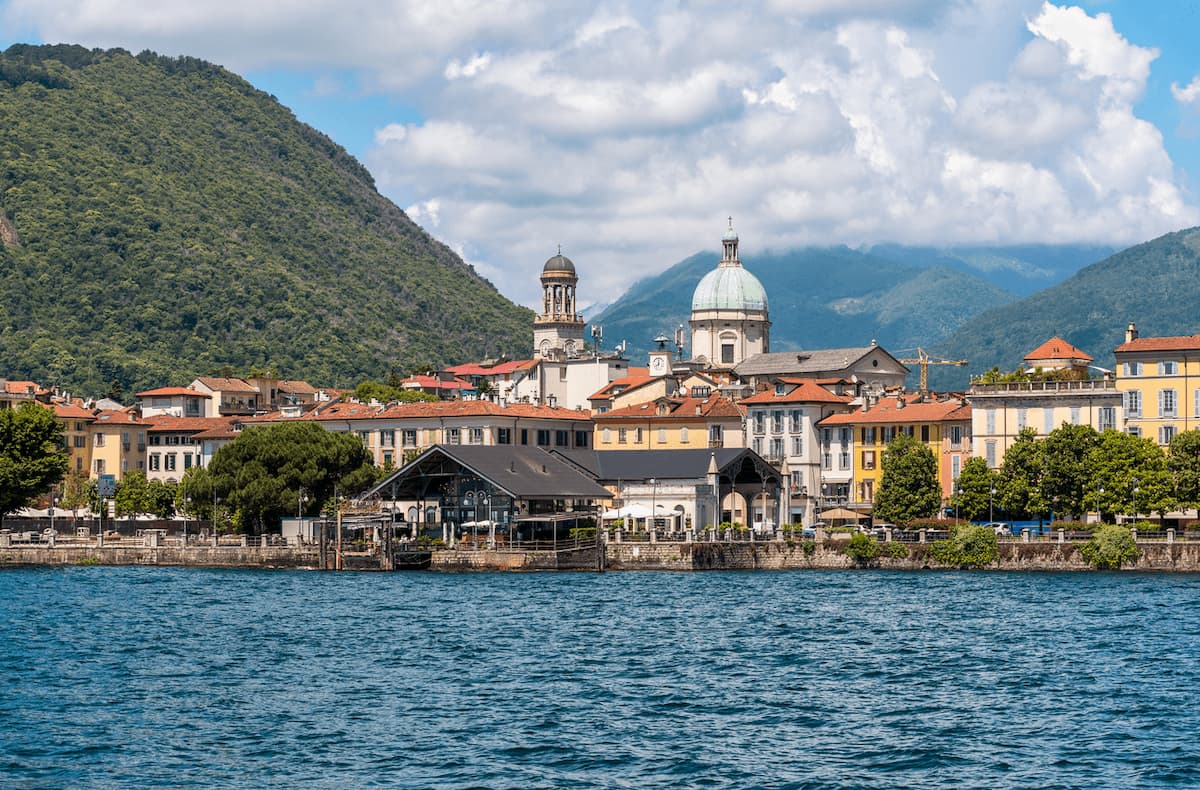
(521, 472)
(823, 360)
(610, 466)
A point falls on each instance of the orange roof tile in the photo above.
(455, 408)
(634, 378)
(680, 409)
(886, 411)
(165, 424)
(220, 384)
(117, 417)
(165, 392)
(1057, 348)
(804, 391)
(72, 412)
(20, 387)
(1176, 343)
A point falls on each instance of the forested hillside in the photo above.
(161, 218)
(1155, 284)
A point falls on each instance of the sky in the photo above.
(628, 132)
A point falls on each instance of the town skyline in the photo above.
(507, 131)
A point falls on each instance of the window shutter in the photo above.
(1160, 402)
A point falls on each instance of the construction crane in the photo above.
(925, 361)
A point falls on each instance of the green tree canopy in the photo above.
(260, 474)
(388, 393)
(908, 487)
(1118, 464)
(32, 457)
(975, 484)
(1066, 471)
(1018, 485)
(1183, 461)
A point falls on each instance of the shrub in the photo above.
(583, 532)
(936, 524)
(969, 546)
(1144, 526)
(862, 548)
(897, 551)
(809, 547)
(1110, 547)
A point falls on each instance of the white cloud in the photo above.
(627, 132)
(1189, 94)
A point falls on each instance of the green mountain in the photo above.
(1022, 268)
(160, 218)
(819, 297)
(1155, 284)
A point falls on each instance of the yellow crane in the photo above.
(925, 361)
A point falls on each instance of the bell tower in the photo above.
(558, 330)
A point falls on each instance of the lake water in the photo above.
(128, 677)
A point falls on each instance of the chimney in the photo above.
(1131, 332)
(900, 402)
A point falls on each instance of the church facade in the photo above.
(729, 312)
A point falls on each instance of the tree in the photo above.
(1066, 472)
(32, 457)
(260, 473)
(132, 494)
(77, 491)
(1121, 464)
(975, 484)
(1018, 484)
(1110, 547)
(1183, 461)
(388, 393)
(909, 487)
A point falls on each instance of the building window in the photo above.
(989, 448)
(843, 460)
(925, 433)
(683, 435)
(1021, 416)
(387, 459)
(715, 438)
(169, 462)
(99, 440)
(1133, 403)
(78, 458)
(155, 440)
(662, 435)
(504, 435)
(622, 435)
(524, 436)
(1133, 368)
(453, 436)
(99, 466)
(543, 437)
(1108, 418)
(780, 389)
(868, 435)
(826, 460)
(187, 460)
(1075, 415)
(795, 481)
(562, 438)
(797, 446)
(638, 438)
(1134, 430)
(955, 466)
(956, 433)
(1047, 420)
(154, 462)
(1168, 368)
(990, 419)
(1168, 402)
(845, 435)
(387, 438)
(868, 459)
(1196, 403)
(1165, 434)
(760, 422)
(475, 435)
(889, 433)
(794, 421)
(409, 437)
(727, 353)
(81, 441)
(756, 445)
(606, 435)
(776, 422)
(581, 438)
(777, 448)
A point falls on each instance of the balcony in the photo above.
(1045, 387)
(716, 443)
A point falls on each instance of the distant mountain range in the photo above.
(1155, 284)
(160, 219)
(821, 297)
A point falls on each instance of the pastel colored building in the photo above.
(1159, 383)
(118, 439)
(672, 424)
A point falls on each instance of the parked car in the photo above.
(1000, 527)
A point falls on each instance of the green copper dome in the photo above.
(730, 288)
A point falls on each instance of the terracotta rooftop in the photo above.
(72, 412)
(226, 384)
(117, 417)
(798, 391)
(1177, 343)
(887, 411)
(1057, 348)
(166, 424)
(634, 378)
(20, 387)
(296, 387)
(500, 369)
(678, 409)
(399, 411)
(166, 392)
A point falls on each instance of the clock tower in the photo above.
(660, 358)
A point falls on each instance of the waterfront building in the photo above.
(491, 492)
(781, 425)
(118, 440)
(944, 426)
(668, 423)
(274, 393)
(172, 446)
(76, 422)
(729, 321)
(1158, 379)
(1056, 390)
(14, 393)
(397, 432)
(868, 368)
(228, 397)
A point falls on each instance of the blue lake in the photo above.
(133, 677)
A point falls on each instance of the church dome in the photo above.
(730, 288)
(559, 263)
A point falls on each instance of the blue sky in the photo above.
(627, 132)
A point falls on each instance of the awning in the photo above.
(632, 511)
(842, 513)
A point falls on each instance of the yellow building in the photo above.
(671, 424)
(118, 441)
(942, 426)
(1159, 382)
(76, 422)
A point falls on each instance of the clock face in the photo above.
(658, 363)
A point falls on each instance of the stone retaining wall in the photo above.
(199, 556)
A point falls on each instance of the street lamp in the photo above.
(53, 502)
(991, 505)
(957, 496)
(653, 502)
